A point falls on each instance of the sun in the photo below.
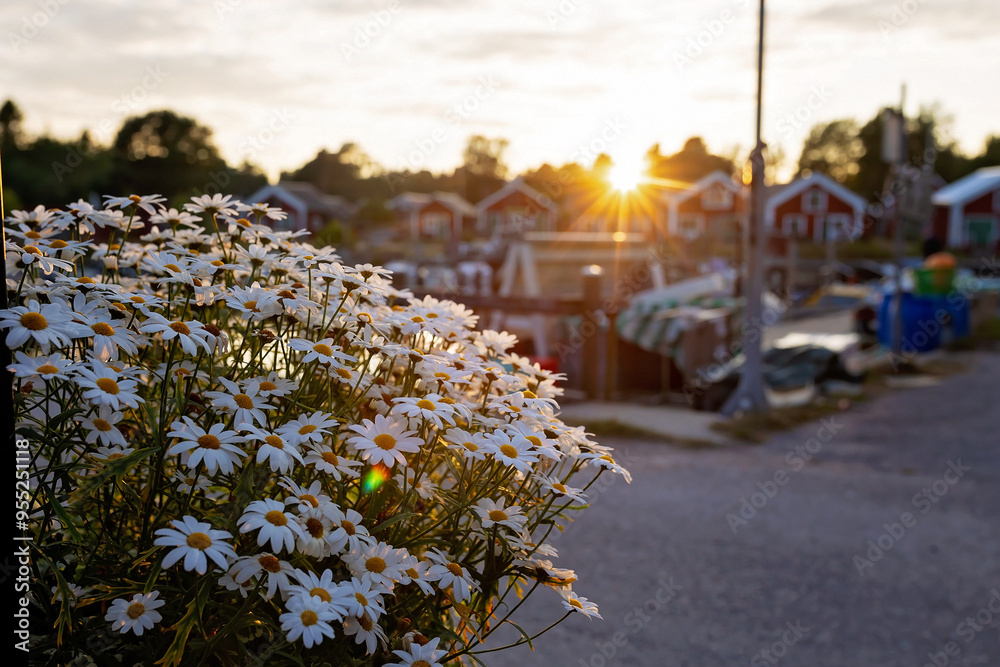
(625, 176)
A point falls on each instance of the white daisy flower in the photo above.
(31, 254)
(495, 512)
(274, 525)
(195, 542)
(366, 631)
(212, 204)
(553, 485)
(272, 385)
(308, 429)
(516, 451)
(472, 445)
(310, 498)
(315, 531)
(44, 366)
(325, 588)
(384, 441)
(419, 656)
(448, 573)
(309, 618)
(75, 593)
(323, 351)
(378, 563)
(277, 572)
(102, 427)
(103, 385)
(363, 598)
(573, 602)
(190, 334)
(415, 572)
(145, 202)
(216, 447)
(429, 407)
(48, 324)
(348, 533)
(602, 460)
(138, 614)
(247, 407)
(324, 460)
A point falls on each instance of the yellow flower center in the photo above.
(102, 425)
(347, 526)
(362, 600)
(217, 262)
(608, 459)
(102, 329)
(242, 222)
(442, 376)
(276, 518)
(199, 541)
(84, 280)
(108, 386)
(471, 446)
(412, 573)
(344, 373)
(250, 305)
(366, 624)
(455, 569)
(172, 267)
(32, 250)
(47, 369)
(330, 458)
(270, 563)
(314, 527)
(365, 317)
(497, 515)
(209, 441)
(320, 593)
(309, 617)
(424, 404)
(275, 441)
(509, 451)
(33, 235)
(307, 429)
(561, 488)
(268, 386)
(58, 244)
(135, 199)
(34, 321)
(180, 328)
(135, 610)
(323, 349)
(243, 401)
(182, 372)
(575, 603)
(417, 319)
(309, 498)
(513, 408)
(534, 439)
(375, 564)
(136, 299)
(433, 316)
(447, 400)
(120, 306)
(530, 394)
(384, 441)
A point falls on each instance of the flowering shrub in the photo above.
(245, 452)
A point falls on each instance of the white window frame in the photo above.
(840, 222)
(822, 202)
(683, 219)
(798, 220)
(436, 224)
(724, 201)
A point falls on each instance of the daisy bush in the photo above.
(246, 452)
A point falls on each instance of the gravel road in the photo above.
(873, 539)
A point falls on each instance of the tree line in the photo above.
(175, 156)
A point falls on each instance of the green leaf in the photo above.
(116, 469)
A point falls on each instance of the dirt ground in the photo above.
(870, 539)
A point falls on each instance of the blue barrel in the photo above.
(928, 321)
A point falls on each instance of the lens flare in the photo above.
(374, 478)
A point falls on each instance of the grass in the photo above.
(758, 427)
(607, 428)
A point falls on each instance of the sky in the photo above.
(562, 80)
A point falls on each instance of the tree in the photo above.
(10, 125)
(168, 154)
(833, 149)
(690, 164)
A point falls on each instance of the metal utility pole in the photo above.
(899, 238)
(749, 395)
